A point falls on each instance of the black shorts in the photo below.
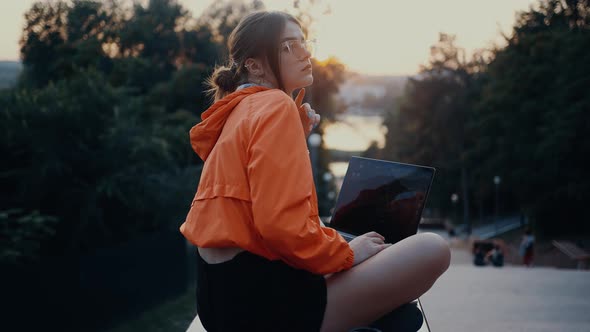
(251, 293)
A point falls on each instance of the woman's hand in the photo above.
(366, 246)
(309, 118)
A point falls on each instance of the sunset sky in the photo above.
(390, 37)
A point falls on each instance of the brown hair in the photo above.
(257, 35)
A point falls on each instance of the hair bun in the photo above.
(225, 79)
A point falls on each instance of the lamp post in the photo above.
(314, 140)
(454, 200)
(497, 181)
(327, 177)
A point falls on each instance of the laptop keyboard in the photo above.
(346, 236)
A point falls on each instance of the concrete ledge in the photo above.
(196, 326)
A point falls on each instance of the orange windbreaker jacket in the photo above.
(256, 190)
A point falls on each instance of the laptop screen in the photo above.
(382, 196)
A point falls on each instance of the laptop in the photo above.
(382, 196)
(386, 197)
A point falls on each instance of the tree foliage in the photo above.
(95, 134)
(518, 111)
(533, 112)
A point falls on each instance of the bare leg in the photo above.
(396, 275)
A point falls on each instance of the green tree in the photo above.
(428, 124)
(533, 114)
(221, 17)
(43, 42)
(102, 164)
(150, 34)
(328, 75)
(138, 47)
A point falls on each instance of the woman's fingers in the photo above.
(308, 110)
(299, 97)
(386, 245)
(376, 240)
(312, 116)
(375, 234)
(365, 246)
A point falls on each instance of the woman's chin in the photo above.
(302, 83)
(307, 81)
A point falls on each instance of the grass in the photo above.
(171, 316)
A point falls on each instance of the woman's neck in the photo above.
(265, 83)
(262, 81)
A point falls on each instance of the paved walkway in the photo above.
(508, 299)
(469, 298)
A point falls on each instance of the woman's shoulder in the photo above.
(276, 94)
(270, 101)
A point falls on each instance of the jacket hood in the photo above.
(205, 134)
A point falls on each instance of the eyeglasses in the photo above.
(298, 48)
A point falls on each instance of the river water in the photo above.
(353, 133)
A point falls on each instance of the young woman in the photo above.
(265, 261)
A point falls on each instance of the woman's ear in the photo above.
(254, 67)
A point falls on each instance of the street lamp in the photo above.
(314, 140)
(454, 200)
(497, 181)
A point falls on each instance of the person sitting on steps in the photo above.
(265, 260)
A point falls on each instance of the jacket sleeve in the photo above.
(281, 184)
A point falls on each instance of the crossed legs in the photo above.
(395, 276)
